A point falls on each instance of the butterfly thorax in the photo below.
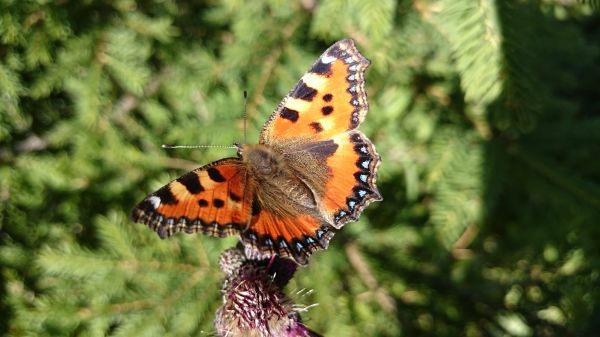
(279, 189)
(262, 161)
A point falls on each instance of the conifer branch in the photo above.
(129, 102)
(268, 68)
(178, 163)
(157, 265)
(359, 263)
(587, 192)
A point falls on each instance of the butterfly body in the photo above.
(277, 184)
(311, 173)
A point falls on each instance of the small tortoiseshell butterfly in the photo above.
(310, 173)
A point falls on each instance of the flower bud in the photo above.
(254, 304)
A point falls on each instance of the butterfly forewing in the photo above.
(213, 199)
(329, 99)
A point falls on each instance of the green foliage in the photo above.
(485, 114)
(142, 292)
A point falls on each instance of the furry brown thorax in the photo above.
(285, 191)
(262, 160)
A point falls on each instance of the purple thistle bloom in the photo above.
(254, 304)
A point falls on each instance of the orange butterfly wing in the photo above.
(329, 103)
(296, 238)
(329, 99)
(351, 187)
(212, 199)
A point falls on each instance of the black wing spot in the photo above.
(255, 207)
(166, 196)
(234, 197)
(304, 92)
(327, 97)
(363, 162)
(326, 110)
(316, 126)
(289, 114)
(321, 68)
(191, 182)
(202, 203)
(323, 149)
(355, 138)
(142, 212)
(215, 175)
(218, 203)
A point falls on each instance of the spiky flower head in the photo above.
(254, 304)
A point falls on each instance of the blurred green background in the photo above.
(486, 115)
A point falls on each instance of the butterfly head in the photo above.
(239, 148)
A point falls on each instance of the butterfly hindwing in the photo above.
(351, 184)
(328, 100)
(212, 199)
(294, 237)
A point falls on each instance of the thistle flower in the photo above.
(254, 304)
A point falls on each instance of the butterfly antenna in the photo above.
(245, 117)
(166, 146)
(236, 146)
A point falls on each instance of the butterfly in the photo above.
(311, 172)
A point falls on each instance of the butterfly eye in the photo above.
(239, 148)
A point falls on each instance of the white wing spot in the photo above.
(348, 59)
(155, 201)
(351, 77)
(363, 178)
(328, 59)
(365, 163)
